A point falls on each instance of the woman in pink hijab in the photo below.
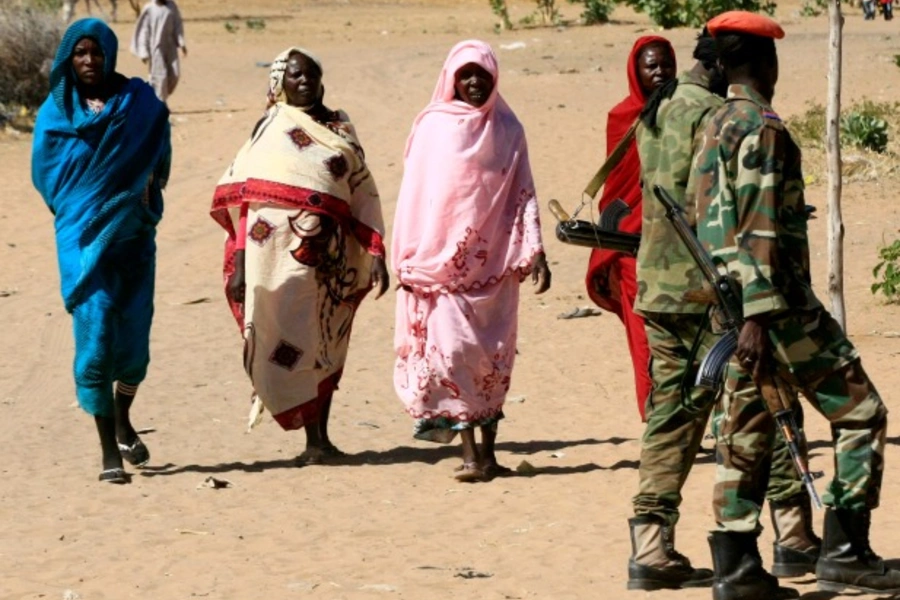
(466, 234)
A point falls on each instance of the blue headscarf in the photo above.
(101, 174)
(62, 77)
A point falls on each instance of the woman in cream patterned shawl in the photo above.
(304, 246)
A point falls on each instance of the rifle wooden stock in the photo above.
(558, 211)
(779, 405)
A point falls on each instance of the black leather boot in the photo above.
(796, 547)
(847, 561)
(654, 562)
(739, 571)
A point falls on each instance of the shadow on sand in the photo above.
(408, 455)
(893, 563)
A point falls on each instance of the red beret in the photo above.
(741, 21)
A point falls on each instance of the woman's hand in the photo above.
(540, 273)
(380, 278)
(752, 346)
(236, 286)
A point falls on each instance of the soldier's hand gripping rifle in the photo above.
(729, 303)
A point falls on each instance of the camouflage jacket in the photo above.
(750, 206)
(665, 269)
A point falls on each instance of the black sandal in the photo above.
(117, 475)
(326, 455)
(309, 457)
(332, 451)
(136, 454)
(495, 470)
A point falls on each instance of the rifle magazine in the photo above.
(712, 368)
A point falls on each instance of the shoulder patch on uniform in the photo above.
(772, 120)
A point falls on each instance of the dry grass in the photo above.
(859, 164)
(29, 36)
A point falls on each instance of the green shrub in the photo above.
(694, 13)
(256, 23)
(595, 11)
(498, 7)
(889, 269)
(864, 131)
(879, 110)
(548, 12)
(864, 125)
(813, 8)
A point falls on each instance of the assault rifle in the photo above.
(604, 235)
(728, 300)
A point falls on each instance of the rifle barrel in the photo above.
(675, 214)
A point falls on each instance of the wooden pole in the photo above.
(833, 144)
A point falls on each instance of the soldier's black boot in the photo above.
(739, 572)
(796, 547)
(654, 562)
(847, 561)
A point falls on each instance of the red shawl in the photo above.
(623, 182)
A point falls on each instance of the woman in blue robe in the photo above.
(100, 160)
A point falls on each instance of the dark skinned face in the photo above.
(655, 66)
(302, 81)
(87, 61)
(473, 85)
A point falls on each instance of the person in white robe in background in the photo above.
(158, 34)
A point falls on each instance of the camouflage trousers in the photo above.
(675, 427)
(745, 431)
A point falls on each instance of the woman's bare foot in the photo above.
(470, 472)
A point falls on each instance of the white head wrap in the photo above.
(276, 74)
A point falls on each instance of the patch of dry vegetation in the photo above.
(29, 35)
(859, 163)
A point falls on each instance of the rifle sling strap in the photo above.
(614, 158)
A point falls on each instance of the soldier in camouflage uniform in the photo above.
(675, 323)
(752, 218)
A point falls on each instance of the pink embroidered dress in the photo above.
(466, 233)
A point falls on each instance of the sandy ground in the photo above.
(392, 523)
